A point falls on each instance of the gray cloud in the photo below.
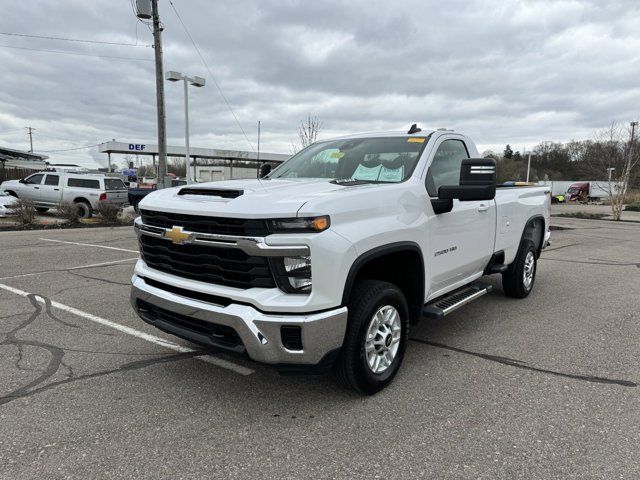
(501, 71)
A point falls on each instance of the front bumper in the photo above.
(260, 333)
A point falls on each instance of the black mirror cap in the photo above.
(265, 169)
(467, 193)
(22, 180)
(478, 171)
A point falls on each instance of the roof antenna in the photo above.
(414, 128)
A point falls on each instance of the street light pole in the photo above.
(186, 132)
(173, 76)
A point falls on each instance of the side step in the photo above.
(454, 300)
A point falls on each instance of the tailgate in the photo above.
(117, 196)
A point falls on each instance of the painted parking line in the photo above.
(91, 265)
(219, 362)
(89, 245)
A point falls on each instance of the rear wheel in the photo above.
(42, 209)
(376, 337)
(84, 210)
(519, 278)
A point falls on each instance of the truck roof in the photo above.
(387, 133)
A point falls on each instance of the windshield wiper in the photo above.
(351, 181)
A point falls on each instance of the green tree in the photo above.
(508, 152)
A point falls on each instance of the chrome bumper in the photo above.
(260, 333)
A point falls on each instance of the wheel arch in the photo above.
(408, 272)
(534, 230)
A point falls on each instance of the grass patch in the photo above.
(583, 215)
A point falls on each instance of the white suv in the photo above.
(48, 189)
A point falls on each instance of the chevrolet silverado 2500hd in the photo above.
(326, 261)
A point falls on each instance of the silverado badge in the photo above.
(177, 235)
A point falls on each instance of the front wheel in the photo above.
(42, 209)
(518, 280)
(376, 337)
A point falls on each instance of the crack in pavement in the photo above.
(89, 277)
(137, 365)
(604, 262)
(523, 365)
(57, 354)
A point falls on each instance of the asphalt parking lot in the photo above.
(544, 387)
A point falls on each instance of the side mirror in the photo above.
(477, 182)
(265, 169)
(22, 180)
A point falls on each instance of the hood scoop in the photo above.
(211, 192)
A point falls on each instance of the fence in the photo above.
(12, 173)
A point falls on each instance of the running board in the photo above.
(456, 299)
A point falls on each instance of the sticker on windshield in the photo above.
(337, 154)
(416, 139)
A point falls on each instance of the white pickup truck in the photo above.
(86, 190)
(326, 261)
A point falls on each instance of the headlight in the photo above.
(299, 225)
(292, 274)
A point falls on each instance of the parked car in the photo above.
(48, 189)
(325, 262)
(7, 203)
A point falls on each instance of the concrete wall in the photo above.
(214, 174)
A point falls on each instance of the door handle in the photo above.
(57, 189)
(36, 188)
(483, 208)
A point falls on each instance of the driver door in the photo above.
(461, 240)
(31, 187)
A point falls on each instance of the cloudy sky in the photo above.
(499, 70)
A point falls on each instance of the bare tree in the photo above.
(614, 152)
(307, 133)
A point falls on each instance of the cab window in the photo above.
(52, 180)
(445, 167)
(34, 179)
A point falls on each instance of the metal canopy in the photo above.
(199, 153)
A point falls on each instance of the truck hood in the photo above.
(255, 198)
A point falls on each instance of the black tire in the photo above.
(84, 210)
(42, 209)
(513, 280)
(13, 194)
(352, 368)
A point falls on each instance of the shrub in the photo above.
(25, 211)
(109, 212)
(69, 211)
(633, 207)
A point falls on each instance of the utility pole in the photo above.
(162, 132)
(528, 167)
(31, 138)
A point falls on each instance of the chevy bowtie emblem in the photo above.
(177, 235)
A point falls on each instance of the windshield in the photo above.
(388, 160)
(114, 184)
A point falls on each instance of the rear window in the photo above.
(114, 184)
(83, 183)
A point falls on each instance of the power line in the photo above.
(212, 75)
(69, 149)
(78, 40)
(78, 54)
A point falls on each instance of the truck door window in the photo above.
(34, 179)
(52, 180)
(445, 167)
